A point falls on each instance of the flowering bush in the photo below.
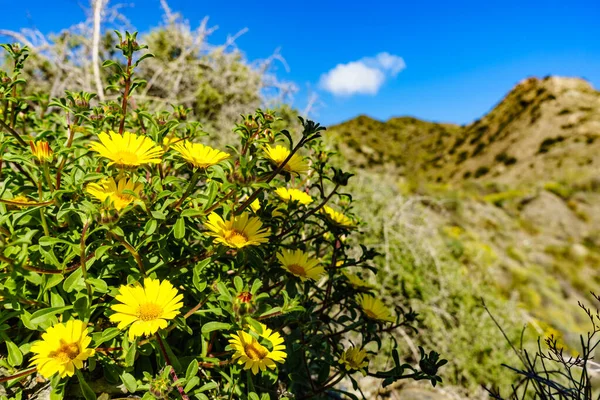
(140, 260)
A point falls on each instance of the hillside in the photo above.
(543, 129)
(506, 209)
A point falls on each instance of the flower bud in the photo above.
(41, 150)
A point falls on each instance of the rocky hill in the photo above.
(506, 209)
(543, 129)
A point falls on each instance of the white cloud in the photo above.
(365, 76)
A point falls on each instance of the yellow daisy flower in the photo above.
(255, 354)
(169, 141)
(278, 154)
(374, 308)
(238, 231)
(356, 282)
(129, 150)
(353, 359)
(199, 155)
(298, 263)
(41, 150)
(63, 348)
(147, 308)
(294, 195)
(255, 205)
(114, 191)
(337, 217)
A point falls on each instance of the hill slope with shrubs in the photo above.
(499, 210)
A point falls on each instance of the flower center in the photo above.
(126, 158)
(255, 351)
(149, 311)
(125, 198)
(66, 352)
(297, 269)
(236, 238)
(245, 297)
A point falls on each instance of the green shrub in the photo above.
(151, 263)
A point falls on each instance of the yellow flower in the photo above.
(337, 217)
(298, 263)
(169, 141)
(255, 205)
(147, 308)
(129, 150)
(63, 348)
(278, 154)
(256, 354)
(199, 155)
(353, 359)
(293, 195)
(374, 308)
(355, 281)
(114, 192)
(238, 231)
(41, 150)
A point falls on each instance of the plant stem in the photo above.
(190, 187)
(71, 135)
(47, 175)
(133, 252)
(42, 213)
(18, 375)
(13, 132)
(163, 350)
(83, 261)
(125, 95)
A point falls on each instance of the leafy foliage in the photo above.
(79, 236)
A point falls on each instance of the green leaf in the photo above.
(191, 212)
(192, 370)
(192, 383)
(129, 382)
(15, 357)
(87, 391)
(158, 214)
(130, 355)
(179, 228)
(98, 284)
(71, 281)
(150, 227)
(223, 291)
(53, 280)
(81, 307)
(255, 286)
(147, 55)
(208, 386)
(108, 334)
(215, 326)
(41, 316)
(238, 283)
(100, 251)
(47, 241)
(56, 300)
(196, 280)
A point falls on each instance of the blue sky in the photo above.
(461, 57)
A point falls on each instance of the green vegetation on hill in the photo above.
(544, 129)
